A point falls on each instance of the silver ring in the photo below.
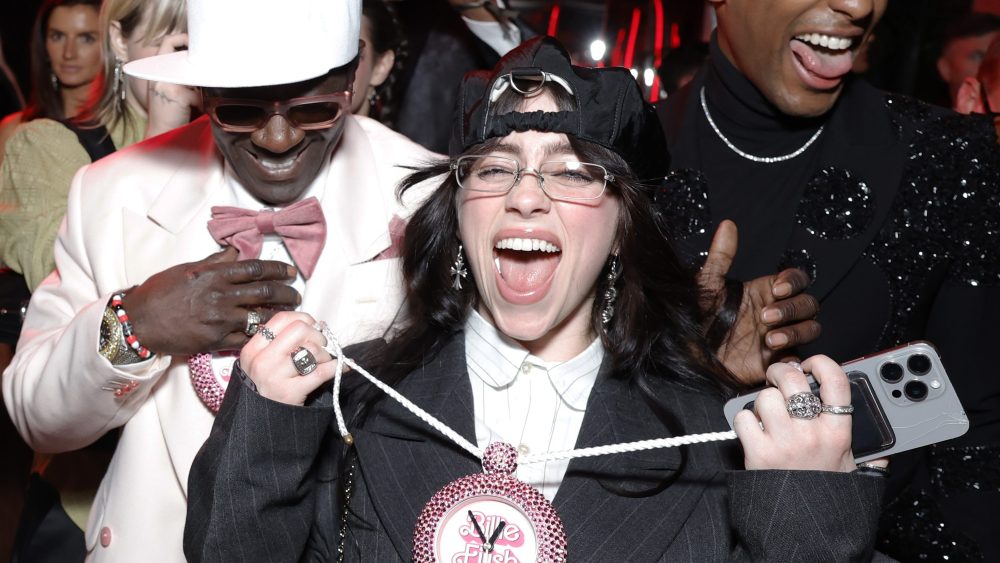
(804, 405)
(253, 323)
(304, 361)
(266, 333)
(837, 409)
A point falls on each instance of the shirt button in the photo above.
(526, 369)
(105, 536)
(523, 449)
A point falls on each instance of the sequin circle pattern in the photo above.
(835, 205)
(497, 458)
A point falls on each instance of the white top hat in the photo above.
(245, 43)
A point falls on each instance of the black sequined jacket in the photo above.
(898, 227)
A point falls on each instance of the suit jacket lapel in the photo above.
(602, 523)
(866, 136)
(404, 461)
(173, 228)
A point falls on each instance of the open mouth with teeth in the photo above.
(823, 60)
(525, 268)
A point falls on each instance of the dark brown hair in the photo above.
(45, 101)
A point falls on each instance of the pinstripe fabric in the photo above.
(265, 486)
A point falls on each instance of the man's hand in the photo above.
(202, 306)
(774, 315)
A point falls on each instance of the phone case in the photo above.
(902, 400)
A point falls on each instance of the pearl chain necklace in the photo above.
(748, 156)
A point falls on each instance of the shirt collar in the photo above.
(497, 360)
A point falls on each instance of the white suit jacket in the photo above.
(137, 213)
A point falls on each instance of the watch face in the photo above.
(488, 518)
(485, 528)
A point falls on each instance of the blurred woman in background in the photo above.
(380, 59)
(65, 61)
(42, 156)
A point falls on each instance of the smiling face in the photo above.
(277, 162)
(536, 261)
(73, 45)
(797, 52)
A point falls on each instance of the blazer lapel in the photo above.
(404, 461)
(626, 506)
(173, 228)
(831, 258)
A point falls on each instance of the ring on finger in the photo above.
(266, 333)
(253, 323)
(806, 406)
(837, 409)
(304, 361)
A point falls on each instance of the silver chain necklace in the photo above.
(748, 156)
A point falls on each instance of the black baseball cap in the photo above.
(610, 109)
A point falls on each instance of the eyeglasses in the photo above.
(307, 113)
(565, 180)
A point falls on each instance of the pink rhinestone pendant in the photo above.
(490, 516)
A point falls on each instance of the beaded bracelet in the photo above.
(127, 331)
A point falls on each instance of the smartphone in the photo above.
(902, 400)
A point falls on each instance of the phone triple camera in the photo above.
(915, 389)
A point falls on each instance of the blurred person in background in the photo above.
(964, 45)
(42, 156)
(981, 93)
(445, 40)
(65, 61)
(374, 95)
(680, 65)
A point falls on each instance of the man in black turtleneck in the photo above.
(893, 208)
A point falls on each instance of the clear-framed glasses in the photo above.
(307, 113)
(559, 179)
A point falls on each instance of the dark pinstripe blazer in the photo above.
(265, 487)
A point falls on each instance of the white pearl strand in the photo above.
(748, 156)
(335, 350)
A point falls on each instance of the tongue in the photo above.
(526, 271)
(823, 64)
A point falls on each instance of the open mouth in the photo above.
(525, 267)
(823, 60)
(278, 164)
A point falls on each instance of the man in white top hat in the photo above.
(174, 252)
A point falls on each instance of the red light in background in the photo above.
(633, 36)
(554, 20)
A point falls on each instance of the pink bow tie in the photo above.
(300, 225)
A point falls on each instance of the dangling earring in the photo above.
(118, 88)
(55, 80)
(610, 294)
(458, 270)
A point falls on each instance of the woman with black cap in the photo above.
(549, 331)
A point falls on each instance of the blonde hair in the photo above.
(161, 17)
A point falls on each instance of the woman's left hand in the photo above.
(169, 104)
(773, 439)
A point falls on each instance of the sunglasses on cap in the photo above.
(308, 113)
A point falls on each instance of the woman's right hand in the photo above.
(169, 105)
(269, 365)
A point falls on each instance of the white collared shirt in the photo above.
(534, 405)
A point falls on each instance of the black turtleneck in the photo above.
(760, 197)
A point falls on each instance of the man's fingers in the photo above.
(789, 282)
(800, 307)
(246, 271)
(269, 294)
(721, 254)
(790, 336)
